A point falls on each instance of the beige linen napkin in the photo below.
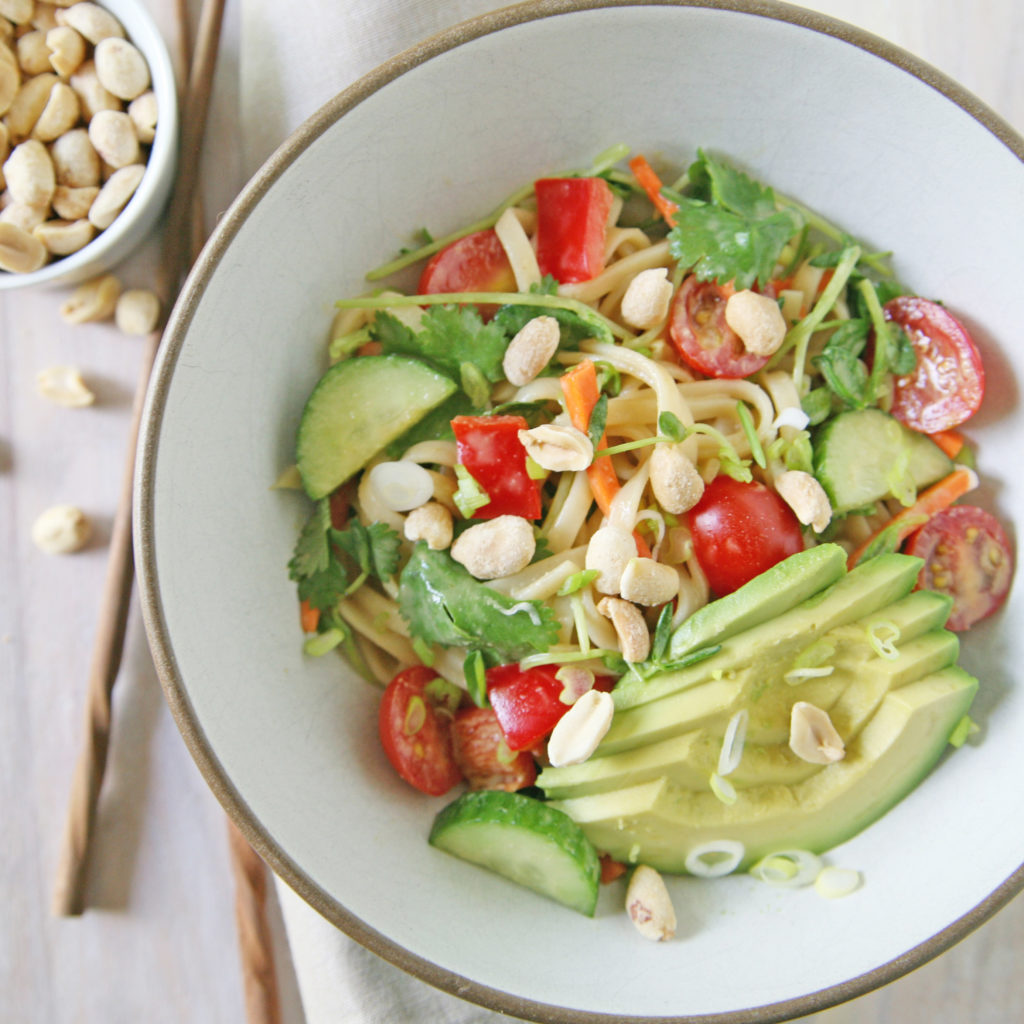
(292, 59)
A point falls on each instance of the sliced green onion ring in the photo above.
(883, 636)
(733, 742)
(723, 789)
(715, 859)
(789, 869)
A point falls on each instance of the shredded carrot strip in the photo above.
(649, 181)
(579, 386)
(950, 441)
(937, 497)
(309, 617)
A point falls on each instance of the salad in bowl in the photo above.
(649, 509)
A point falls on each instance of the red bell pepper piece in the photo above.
(572, 217)
(490, 449)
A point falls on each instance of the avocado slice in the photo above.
(765, 597)
(658, 822)
(674, 748)
(870, 586)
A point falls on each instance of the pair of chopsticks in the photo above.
(182, 239)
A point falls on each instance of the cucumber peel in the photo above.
(524, 840)
(357, 408)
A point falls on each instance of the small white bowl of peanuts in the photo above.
(88, 137)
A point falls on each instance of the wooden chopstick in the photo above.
(69, 896)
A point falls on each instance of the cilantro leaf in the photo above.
(731, 229)
(325, 588)
(572, 328)
(844, 371)
(312, 553)
(374, 548)
(724, 246)
(445, 605)
(449, 336)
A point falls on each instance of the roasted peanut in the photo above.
(17, 11)
(62, 529)
(121, 68)
(648, 582)
(114, 195)
(144, 114)
(75, 160)
(20, 252)
(557, 448)
(630, 627)
(812, 736)
(649, 904)
(674, 479)
(646, 301)
(578, 732)
(91, 93)
(431, 522)
(30, 175)
(63, 385)
(60, 114)
(73, 203)
(531, 350)
(95, 23)
(757, 321)
(33, 53)
(67, 50)
(93, 300)
(63, 237)
(495, 548)
(28, 104)
(113, 136)
(806, 497)
(26, 217)
(609, 551)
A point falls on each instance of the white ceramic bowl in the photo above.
(289, 744)
(142, 212)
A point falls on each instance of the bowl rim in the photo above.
(112, 245)
(160, 642)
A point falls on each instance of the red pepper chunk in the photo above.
(572, 217)
(490, 449)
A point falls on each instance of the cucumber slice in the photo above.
(524, 840)
(357, 407)
(865, 455)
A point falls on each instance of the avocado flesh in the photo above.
(657, 822)
(687, 756)
(645, 794)
(868, 588)
(765, 597)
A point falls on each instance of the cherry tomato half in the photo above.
(416, 735)
(967, 555)
(482, 754)
(473, 263)
(740, 530)
(948, 382)
(528, 702)
(703, 339)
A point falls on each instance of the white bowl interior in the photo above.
(290, 743)
(143, 210)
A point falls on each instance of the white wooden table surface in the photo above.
(159, 944)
